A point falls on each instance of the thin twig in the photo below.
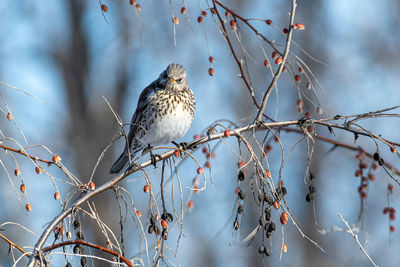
(350, 231)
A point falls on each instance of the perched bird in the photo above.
(164, 113)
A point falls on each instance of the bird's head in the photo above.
(174, 77)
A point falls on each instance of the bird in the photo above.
(164, 113)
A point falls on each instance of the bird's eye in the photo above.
(179, 80)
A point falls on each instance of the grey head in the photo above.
(174, 77)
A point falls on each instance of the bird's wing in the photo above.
(142, 105)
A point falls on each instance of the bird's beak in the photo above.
(172, 80)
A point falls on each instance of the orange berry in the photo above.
(177, 153)
(104, 8)
(276, 138)
(268, 148)
(268, 174)
(17, 172)
(28, 207)
(299, 26)
(268, 21)
(233, 24)
(22, 188)
(241, 164)
(38, 170)
(227, 14)
(310, 129)
(204, 13)
(284, 216)
(274, 54)
(275, 204)
(300, 109)
(371, 177)
(299, 102)
(357, 173)
(227, 133)
(183, 10)
(199, 19)
(92, 186)
(175, 20)
(285, 30)
(132, 2)
(307, 115)
(278, 61)
(237, 190)
(199, 170)
(9, 116)
(146, 188)
(392, 149)
(208, 164)
(211, 72)
(319, 110)
(297, 78)
(266, 63)
(196, 136)
(283, 221)
(390, 188)
(56, 158)
(391, 228)
(211, 59)
(164, 224)
(374, 166)
(386, 210)
(301, 70)
(204, 149)
(56, 195)
(284, 248)
(190, 204)
(138, 7)
(138, 213)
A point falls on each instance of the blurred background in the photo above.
(69, 54)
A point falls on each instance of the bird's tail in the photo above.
(120, 163)
(124, 158)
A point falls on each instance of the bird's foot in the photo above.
(184, 145)
(147, 149)
(153, 158)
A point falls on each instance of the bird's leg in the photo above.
(153, 157)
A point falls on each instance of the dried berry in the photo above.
(241, 194)
(241, 176)
(104, 8)
(236, 224)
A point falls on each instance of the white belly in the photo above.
(168, 128)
